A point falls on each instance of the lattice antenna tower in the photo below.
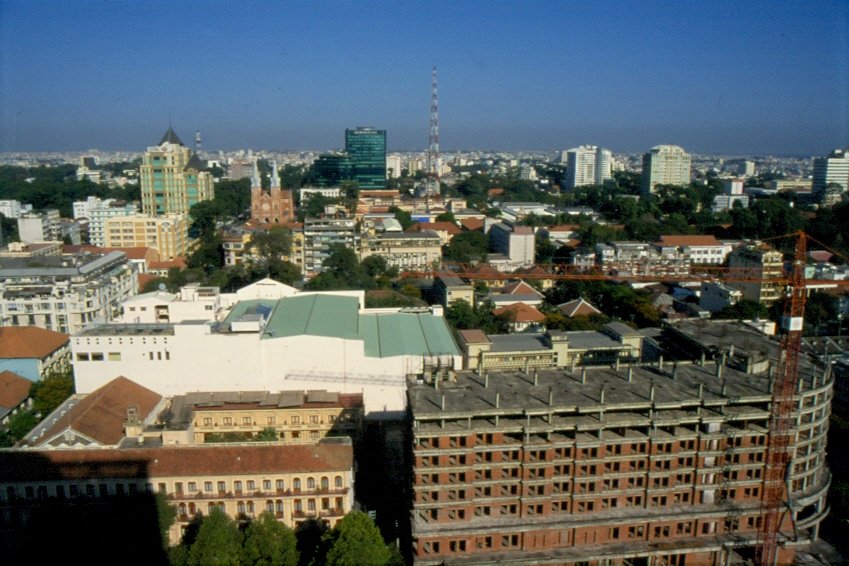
(433, 142)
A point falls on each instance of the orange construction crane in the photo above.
(780, 441)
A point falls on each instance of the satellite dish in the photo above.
(162, 286)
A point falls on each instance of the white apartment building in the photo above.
(833, 168)
(393, 166)
(715, 296)
(665, 165)
(702, 250)
(405, 250)
(64, 293)
(98, 213)
(515, 242)
(305, 341)
(41, 226)
(588, 165)
(13, 208)
(320, 234)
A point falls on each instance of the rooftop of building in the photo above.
(57, 266)
(99, 415)
(179, 413)
(29, 342)
(689, 240)
(14, 390)
(182, 461)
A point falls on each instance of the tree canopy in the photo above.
(218, 542)
(268, 542)
(356, 541)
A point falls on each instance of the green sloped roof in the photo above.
(333, 316)
(396, 334)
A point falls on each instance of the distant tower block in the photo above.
(274, 206)
(198, 144)
(433, 164)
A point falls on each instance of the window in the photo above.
(82, 356)
(314, 419)
(222, 486)
(266, 484)
(296, 484)
(310, 483)
(280, 484)
(325, 483)
(178, 487)
(114, 356)
(193, 487)
(271, 420)
(207, 421)
(251, 485)
(338, 481)
(97, 356)
(310, 504)
(228, 420)
(237, 486)
(247, 421)
(296, 419)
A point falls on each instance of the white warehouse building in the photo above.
(305, 341)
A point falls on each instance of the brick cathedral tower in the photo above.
(274, 206)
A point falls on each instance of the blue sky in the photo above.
(713, 76)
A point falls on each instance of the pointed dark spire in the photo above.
(170, 137)
(196, 163)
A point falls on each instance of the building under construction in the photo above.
(658, 464)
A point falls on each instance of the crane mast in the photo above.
(780, 441)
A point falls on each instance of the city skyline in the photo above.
(542, 76)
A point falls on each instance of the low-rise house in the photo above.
(519, 316)
(33, 352)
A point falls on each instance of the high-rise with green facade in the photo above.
(173, 178)
(367, 150)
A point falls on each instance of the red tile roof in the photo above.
(449, 227)
(101, 414)
(686, 240)
(29, 342)
(472, 224)
(14, 389)
(520, 288)
(177, 262)
(148, 463)
(578, 307)
(473, 336)
(519, 312)
(564, 228)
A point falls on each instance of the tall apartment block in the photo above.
(833, 168)
(173, 178)
(615, 465)
(367, 150)
(587, 165)
(760, 266)
(665, 165)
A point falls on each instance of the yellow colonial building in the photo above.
(168, 234)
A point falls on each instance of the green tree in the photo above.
(166, 514)
(402, 216)
(21, 424)
(467, 247)
(268, 434)
(52, 391)
(218, 542)
(461, 315)
(356, 541)
(743, 310)
(268, 542)
(446, 217)
(273, 243)
(310, 534)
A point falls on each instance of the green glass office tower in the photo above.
(367, 150)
